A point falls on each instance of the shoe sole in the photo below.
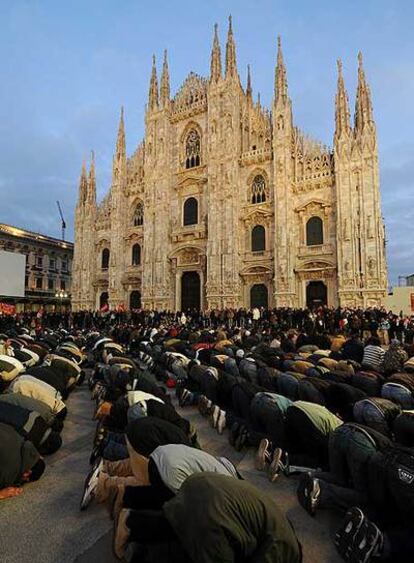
(260, 460)
(274, 466)
(83, 504)
(306, 500)
(362, 553)
(347, 532)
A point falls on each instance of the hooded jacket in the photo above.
(17, 456)
(219, 518)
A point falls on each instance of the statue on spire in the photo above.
(215, 67)
(153, 89)
(231, 64)
(165, 82)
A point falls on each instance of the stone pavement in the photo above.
(45, 525)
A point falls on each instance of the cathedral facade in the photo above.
(228, 204)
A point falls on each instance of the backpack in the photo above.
(391, 484)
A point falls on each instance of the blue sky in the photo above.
(67, 67)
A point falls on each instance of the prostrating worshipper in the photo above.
(213, 518)
(20, 462)
(143, 435)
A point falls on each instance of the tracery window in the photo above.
(136, 255)
(139, 215)
(258, 238)
(192, 149)
(314, 231)
(258, 189)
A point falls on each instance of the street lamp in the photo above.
(61, 294)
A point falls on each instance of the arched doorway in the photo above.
(135, 300)
(103, 299)
(190, 291)
(316, 294)
(259, 295)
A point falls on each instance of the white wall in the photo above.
(400, 300)
(12, 274)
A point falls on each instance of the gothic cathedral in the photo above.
(228, 204)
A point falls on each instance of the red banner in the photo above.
(412, 302)
(7, 309)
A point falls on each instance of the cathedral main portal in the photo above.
(190, 291)
(316, 294)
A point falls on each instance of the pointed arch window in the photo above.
(258, 189)
(314, 231)
(258, 238)
(139, 215)
(190, 215)
(192, 149)
(136, 255)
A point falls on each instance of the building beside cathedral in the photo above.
(227, 204)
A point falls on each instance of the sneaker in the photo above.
(215, 413)
(185, 398)
(276, 466)
(221, 422)
(241, 439)
(348, 530)
(234, 432)
(204, 405)
(96, 453)
(121, 533)
(91, 483)
(366, 545)
(263, 454)
(309, 493)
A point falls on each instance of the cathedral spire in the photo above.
(120, 142)
(153, 89)
(281, 88)
(119, 160)
(92, 180)
(231, 64)
(363, 105)
(83, 184)
(249, 90)
(215, 67)
(342, 116)
(165, 82)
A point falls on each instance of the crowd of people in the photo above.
(325, 397)
(36, 377)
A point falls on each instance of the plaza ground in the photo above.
(44, 524)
